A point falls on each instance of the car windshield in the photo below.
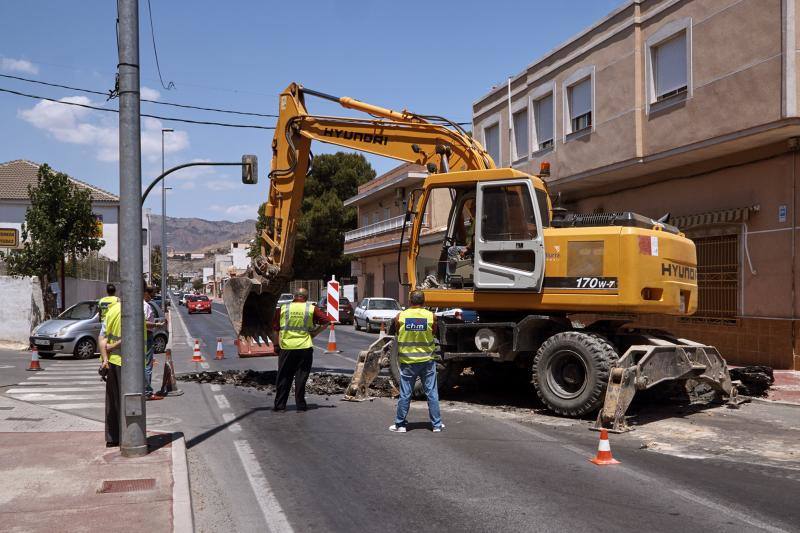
(383, 305)
(80, 311)
(342, 302)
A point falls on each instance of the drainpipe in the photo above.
(794, 145)
(510, 127)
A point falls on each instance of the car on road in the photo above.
(182, 298)
(284, 299)
(457, 314)
(198, 304)
(372, 312)
(345, 309)
(75, 332)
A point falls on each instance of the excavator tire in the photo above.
(570, 372)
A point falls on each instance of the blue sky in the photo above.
(429, 57)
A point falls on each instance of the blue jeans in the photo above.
(408, 376)
(148, 365)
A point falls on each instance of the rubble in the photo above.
(756, 380)
(321, 383)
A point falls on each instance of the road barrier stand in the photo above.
(604, 451)
(196, 357)
(34, 360)
(220, 352)
(332, 341)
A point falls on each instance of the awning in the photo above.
(736, 215)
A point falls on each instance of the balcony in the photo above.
(384, 226)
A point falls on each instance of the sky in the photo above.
(428, 57)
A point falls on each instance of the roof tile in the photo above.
(15, 176)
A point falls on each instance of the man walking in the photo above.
(150, 325)
(293, 327)
(416, 328)
(105, 301)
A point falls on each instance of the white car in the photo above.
(372, 312)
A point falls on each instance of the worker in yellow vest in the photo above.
(293, 328)
(416, 328)
(111, 368)
(105, 301)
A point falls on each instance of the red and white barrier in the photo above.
(333, 300)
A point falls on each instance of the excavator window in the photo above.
(508, 214)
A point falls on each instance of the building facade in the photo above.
(685, 108)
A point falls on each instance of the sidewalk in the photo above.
(786, 387)
(57, 475)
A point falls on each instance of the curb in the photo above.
(773, 402)
(182, 515)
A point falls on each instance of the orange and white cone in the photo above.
(383, 329)
(332, 341)
(220, 352)
(34, 360)
(604, 451)
(196, 357)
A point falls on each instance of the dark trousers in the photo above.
(113, 403)
(293, 365)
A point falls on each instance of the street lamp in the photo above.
(164, 228)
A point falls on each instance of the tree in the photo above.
(58, 224)
(197, 284)
(155, 266)
(323, 218)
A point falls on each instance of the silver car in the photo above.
(75, 332)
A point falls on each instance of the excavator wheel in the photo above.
(570, 372)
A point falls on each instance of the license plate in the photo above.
(41, 342)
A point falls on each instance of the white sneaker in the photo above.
(438, 429)
(397, 429)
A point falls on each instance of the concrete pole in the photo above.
(164, 228)
(134, 436)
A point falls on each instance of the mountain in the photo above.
(198, 235)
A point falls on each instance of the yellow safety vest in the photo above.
(415, 343)
(297, 319)
(104, 303)
(113, 331)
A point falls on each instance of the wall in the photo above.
(21, 311)
(110, 230)
(78, 290)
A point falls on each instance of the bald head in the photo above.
(301, 294)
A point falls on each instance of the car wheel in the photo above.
(160, 344)
(368, 327)
(356, 325)
(84, 349)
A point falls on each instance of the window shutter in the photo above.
(580, 98)
(669, 65)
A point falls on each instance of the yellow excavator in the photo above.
(524, 266)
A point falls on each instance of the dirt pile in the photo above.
(756, 380)
(321, 383)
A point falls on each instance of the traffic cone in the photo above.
(604, 451)
(220, 352)
(196, 357)
(332, 341)
(34, 360)
(169, 385)
(383, 330)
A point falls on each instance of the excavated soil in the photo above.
(322, 383)
(756, 380)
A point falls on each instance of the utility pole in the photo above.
(134, 431)
(164, 228)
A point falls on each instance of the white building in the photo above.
(239, 251)
(15, 176)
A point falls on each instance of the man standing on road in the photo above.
(105, 301)
(416, 328)
(150, 324)
(293, 327)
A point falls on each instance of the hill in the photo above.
(199, 235)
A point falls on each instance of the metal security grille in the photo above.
(717, 276)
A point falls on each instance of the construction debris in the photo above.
(756, 380)
(321, 383)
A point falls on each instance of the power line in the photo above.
(168, 119)
(170, 85)
(158, 102)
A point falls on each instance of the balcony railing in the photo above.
(384, 226)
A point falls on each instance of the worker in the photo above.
(105, 301)
(293, 327)
(111, 368)
(456, 252)
(416, 328)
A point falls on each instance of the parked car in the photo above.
(75, 332)
(285, 298)
(457, 314)
(372, 312)
(345, 309)
(182, 298)
(198, 304)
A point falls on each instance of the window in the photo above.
(717, 276)
(543, 114)
(670, 73)
(376, 217)
(508, 214)
(491, 141)
(520, 125)
(364, 220)
(579, 102)
(386, 213)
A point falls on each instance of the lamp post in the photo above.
(163, 229)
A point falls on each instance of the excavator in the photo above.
(523, 265)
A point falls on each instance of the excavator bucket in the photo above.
(250, 302)
(368, 366)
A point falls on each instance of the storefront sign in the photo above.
(9, 238)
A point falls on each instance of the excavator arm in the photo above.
(431, 141)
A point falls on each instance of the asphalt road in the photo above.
(337, 468)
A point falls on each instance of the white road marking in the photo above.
(42, 397)
(222, 401)
(69, 382)
(7, 366)
(215, 387)
(274, 516)
(234, 426)
(70, 373)
(220, 313)
(726, 511)
(56, 389)
(87, 405)
(62, 378)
